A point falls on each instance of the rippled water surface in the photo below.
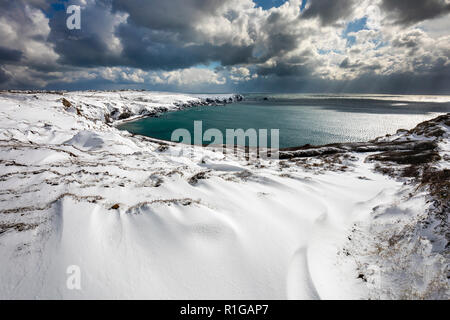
(303, 119)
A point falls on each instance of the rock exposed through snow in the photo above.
(143, 220)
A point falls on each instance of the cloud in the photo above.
(188, 77)
(347, 64)
(24, 31)
(117, 74)
(412, 11)
(238, 74)
(202, 21)
(328, 11)
(4, 77)
(9, 55)
(96, 43)
(329, 45)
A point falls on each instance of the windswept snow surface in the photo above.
(143, 220)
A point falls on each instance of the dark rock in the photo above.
(199, 176)
(162, 148)
(125, 115)
(114, 114)
(362, 277)
(66, 103)
(406, 157)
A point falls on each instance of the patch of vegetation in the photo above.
(196, 177)
(16, 226)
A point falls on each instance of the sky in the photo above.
(314, 46)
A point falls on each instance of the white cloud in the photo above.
(188, 77)
(123, 74)
(30, 38)
(238, 74)
(250, 43)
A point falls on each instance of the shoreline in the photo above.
(159, 215)
(187, 106)
(305, 144)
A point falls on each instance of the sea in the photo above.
(301, 118)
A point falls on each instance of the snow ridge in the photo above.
(141, 220)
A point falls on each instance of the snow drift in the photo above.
(142, 221)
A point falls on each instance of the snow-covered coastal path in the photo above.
(142, 221)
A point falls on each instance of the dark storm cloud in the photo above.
(41, 4)
(412, 11)
(151, 49)
(279, 42)
(14, 10)
(329, 11)
(87, 47)
(9, 55)
(436, 81)
(153, 37)
(174, 15)
(3, 76)
(300, 65)
(401, 83)
(285, 69)
(281, 47)
(280, 39)
(163, 34)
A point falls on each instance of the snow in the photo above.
(146, 222)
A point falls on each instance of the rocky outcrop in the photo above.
(416, 146)
(127, 114)
(66, 103)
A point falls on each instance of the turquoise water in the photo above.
(302, 119)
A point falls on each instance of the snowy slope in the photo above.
(142, 221)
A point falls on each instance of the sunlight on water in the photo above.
(304, 119)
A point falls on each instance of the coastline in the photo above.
(160, 218)
(221, 100)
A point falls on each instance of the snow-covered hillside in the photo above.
(141, 220)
